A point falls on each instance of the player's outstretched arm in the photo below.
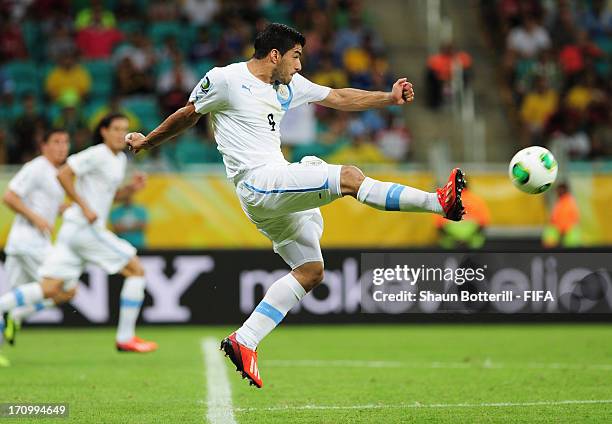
(139, 181)
(14, 202)
(353, 99)
(173, 125)
(66, 178)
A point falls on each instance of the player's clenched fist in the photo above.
(402, 92)
(135, 141)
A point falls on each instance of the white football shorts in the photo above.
(283, 202)
(78, 245)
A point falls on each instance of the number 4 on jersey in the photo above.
(271, 121)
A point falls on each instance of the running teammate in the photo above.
(36, 196)
(83, 237)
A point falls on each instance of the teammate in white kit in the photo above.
(83, 237)
(36, 196)
(246, 102)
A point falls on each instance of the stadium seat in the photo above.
(101, 73)
(202, 67)
(192, 150)
(146, 109)
(25, 76)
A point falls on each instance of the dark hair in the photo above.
(49, 133)
(105, 123)
(277, 36)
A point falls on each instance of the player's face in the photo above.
(57, 147)
(289, 65)
(114, 134)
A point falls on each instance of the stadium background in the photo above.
(476, 70)
(477, 102)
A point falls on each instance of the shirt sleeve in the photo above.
(84, 162)
(210, 93)
(24, 181)
(305, 91)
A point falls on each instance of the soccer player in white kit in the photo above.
(246, 102)
(36, 196)
(83, 237)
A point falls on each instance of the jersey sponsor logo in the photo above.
(248, 88)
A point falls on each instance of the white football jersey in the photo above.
(37, 186)
(246, 113)
(99, 173)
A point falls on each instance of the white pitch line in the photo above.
(487, 364)
(424, 405)
(219, 392)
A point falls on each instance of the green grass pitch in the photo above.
(326, 374)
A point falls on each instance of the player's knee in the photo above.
(351, 178)
(310, 275)
(64, 296)
(51, 288)
(134, 268)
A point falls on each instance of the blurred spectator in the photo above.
(470, 232)
(394, 139)
(175, 85)
(570, 138)
(129, 221)
(200, 12)
(131, 80)
(161, 10)
(563, 229)
(114, 106)
(526, 41)
(575, 57)
(29, 128)
(97, 39)
(139, 50)
(440, 73)
(95, 15)
(329, 75)
(3, 145)
(585, 92)
(70, 117)
(602, 135)
(128, 10)
(360, 150)
(12, 45)
(597, 19)
(68, 75)
(203, 48)
(537, 107)
(527, 72)
(60, 43)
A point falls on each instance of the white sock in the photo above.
(21, 313)
(132, 295)
(26, 294)
(283, 295)
(397, 197)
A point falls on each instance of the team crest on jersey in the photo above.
(284, 94)
(205, 85)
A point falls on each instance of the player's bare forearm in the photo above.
(65, 177)
(175, 124)
(14, 202)
(353, 99)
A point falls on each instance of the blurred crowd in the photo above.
(557, 63)
(67, 63)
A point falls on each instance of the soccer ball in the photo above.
(533, 170)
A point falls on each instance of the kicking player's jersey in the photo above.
(246, 113)
(37, 186)
(99, 173)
